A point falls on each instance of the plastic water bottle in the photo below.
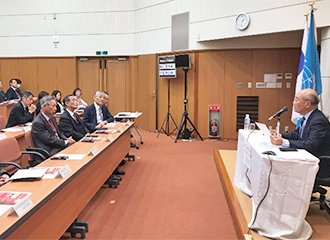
(246, 121)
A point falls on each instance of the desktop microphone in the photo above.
(278, 113)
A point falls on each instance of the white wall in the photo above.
(83, 26)
(132, 27)
(325, 71)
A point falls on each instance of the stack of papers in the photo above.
(51, 172)
(8, 197)
(12, 129)
(28, 174)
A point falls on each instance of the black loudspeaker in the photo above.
(182, 60)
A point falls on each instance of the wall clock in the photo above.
(242, 21)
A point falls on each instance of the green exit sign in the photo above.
(105, 53)
(98, 52)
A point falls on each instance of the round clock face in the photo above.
(242, 21)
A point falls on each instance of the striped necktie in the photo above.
(101, 114)
(301, 129)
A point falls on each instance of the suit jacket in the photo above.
(315, 138)
(38, 108)
(11, 94)
(58, 107)
(44, 136)
(71, 127)
(90, 118)
(2, 96)
(18, 115)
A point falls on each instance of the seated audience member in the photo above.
(45, 132)
(97, 115)
(106, 99)
(59, 106)
(23, 111)
(2, 94)
(70, 122)
(314, 133)
(81, 103)
(4, 176)
(40, 95)
(13, 91)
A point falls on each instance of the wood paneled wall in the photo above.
(39, 74)
(212, 79)
(144, 90)
(216, 75)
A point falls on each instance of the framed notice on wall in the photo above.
(166, 66)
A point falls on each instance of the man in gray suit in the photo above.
(45, 132)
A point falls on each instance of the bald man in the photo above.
(314, 133)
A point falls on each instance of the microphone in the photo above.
(278, 113)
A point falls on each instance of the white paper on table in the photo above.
(112, 124)
(72, 156)
(3, 136)
(28, 173)
(128, 114)
(12, 129)
(263, 128)
(4, 208)
(51, 172)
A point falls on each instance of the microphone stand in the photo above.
(278, 125)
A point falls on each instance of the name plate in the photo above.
(21, 207)
(2, 136)
(120, 129)
(65, 171)
(110, 138)
(93, 151)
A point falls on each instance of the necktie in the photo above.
(301, 130)
(100, 114)
(54, 129)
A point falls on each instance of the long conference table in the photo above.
(280, 186)
(57, 202)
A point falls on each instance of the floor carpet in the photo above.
(171, 191)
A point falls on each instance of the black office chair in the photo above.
(12, 164)
(320, 182)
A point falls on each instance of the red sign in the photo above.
(214, 108)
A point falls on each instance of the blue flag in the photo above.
(311, 73)
(296, 116)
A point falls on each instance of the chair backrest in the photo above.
(10, 152)
(28, 139)
(2, 122)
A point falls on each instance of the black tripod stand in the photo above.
(184, 118)
(168, 116)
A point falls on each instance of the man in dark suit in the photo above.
(70, 122)
(314, 133)
(13, 91)
(45, 132)
(2, 94)
(97, 115)
(23, 111)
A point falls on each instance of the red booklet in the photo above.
(7, 197)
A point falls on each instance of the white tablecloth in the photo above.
(282, 213)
